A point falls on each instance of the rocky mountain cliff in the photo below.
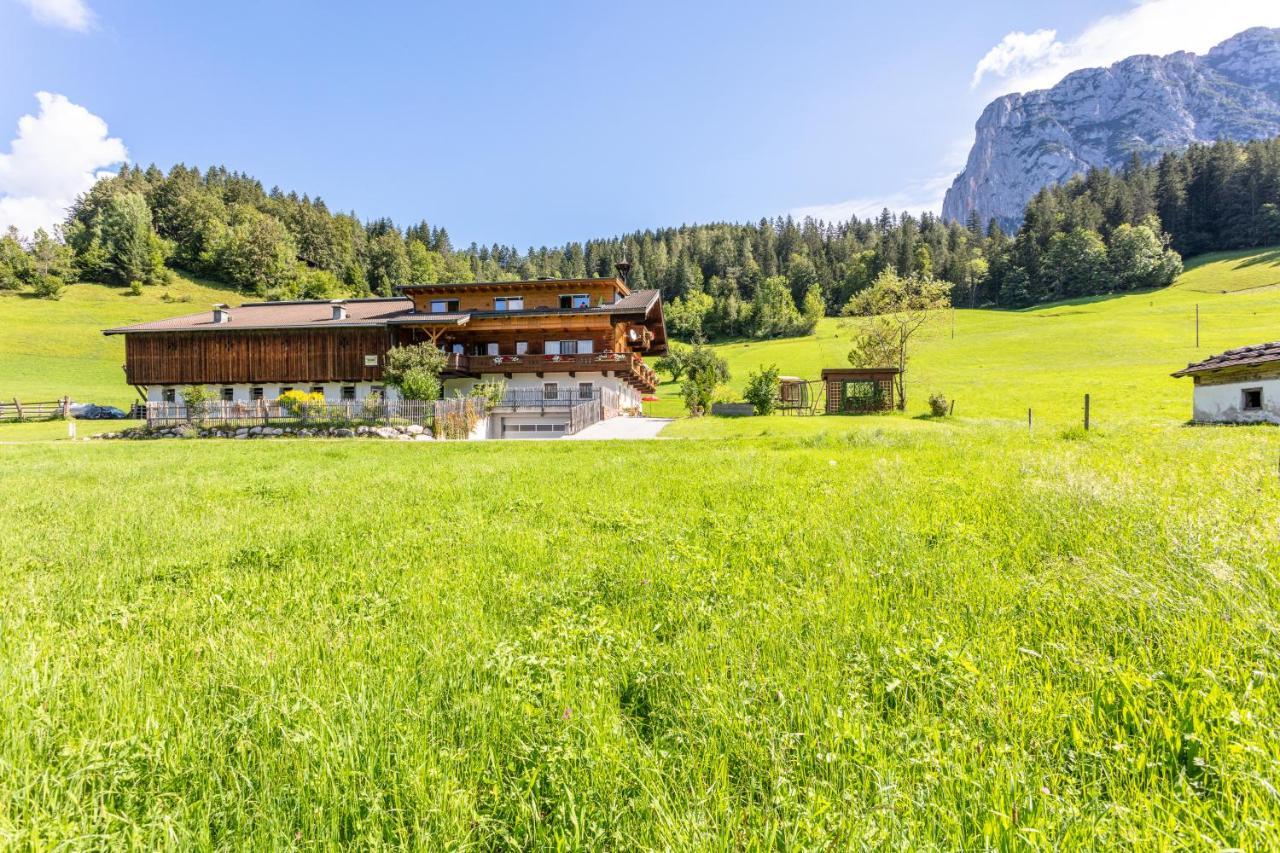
(1102, 116)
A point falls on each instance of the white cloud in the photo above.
(70, 14)
(1025, 61)
(57, 155)
(917, 197)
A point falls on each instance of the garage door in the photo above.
(534, 427)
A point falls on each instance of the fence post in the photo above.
(66, 408)
(1028, 420)
(1086, 412)
(18, 406)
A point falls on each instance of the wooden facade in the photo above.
(535, 294)
(305, 355)
(853, 391)
(604, 327)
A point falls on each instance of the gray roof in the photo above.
(383, 311)
(1239, 357)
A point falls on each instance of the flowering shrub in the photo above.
(301, 404)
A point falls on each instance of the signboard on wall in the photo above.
(370, 361)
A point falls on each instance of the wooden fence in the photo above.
(220, 413)
(16, 410)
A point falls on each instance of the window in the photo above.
(575, 300)
(317, 389)
(491, 348)
(169, 395)
(585, 391)
(584, 347)
(862, 395)
(1251, 399)
(348, 392)
(443, 306)
(522, 347)
(551, 347)
(228, 394)
(285, 390)
(550, 391)
(457, 349)
(256, 393)
(568, 347)
(508, 303)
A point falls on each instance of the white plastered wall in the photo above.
(1224, 403)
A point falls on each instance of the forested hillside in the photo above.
(1106, 232)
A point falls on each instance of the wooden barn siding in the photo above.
(176, 358)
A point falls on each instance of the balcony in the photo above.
(627, 366)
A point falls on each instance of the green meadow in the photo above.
(877, 632)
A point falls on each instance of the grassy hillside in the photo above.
(1120, 350)
(937, 637)
(51, 349)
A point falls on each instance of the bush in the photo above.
(490, 392)
(301, 404)
(762, 390)
(135, 288)
(47, 287)
(414, 371)
(704, 370)
(197, 399)
(937, 405)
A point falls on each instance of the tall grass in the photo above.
(949, 638)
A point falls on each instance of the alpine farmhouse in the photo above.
(552, 341)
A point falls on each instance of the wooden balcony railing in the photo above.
(622, 362)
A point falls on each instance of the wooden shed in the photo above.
(855, 391)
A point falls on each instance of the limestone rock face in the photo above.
(1144, 105)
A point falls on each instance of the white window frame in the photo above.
(441, 306)
(586, 390)
(491, 348)
(550, 390)
(228, 394)
(1244, 406)
(257, 393)
(169, 395)
(522, 347)
(585, 346)
(508, 303)
(551, 347)
(348, 393)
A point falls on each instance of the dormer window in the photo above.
(444, 306)
(575, 300)
(508, 303)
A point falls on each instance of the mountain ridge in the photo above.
(1100, 117)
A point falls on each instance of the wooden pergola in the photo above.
(851, 391)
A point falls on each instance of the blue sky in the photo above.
(540, 123)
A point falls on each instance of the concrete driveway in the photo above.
(621, 427)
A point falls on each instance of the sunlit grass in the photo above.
(897, 634)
